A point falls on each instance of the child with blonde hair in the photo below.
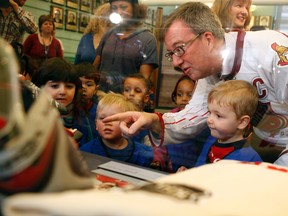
(110, 142)
(231, 106)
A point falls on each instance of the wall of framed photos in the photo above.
(71, 18)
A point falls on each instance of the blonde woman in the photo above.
(233, 14)
(96, 28)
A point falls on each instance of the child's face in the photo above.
(89, 88)
(184, 93)
(62, 92)
(108, 131)
(136, 91)
(223, 122)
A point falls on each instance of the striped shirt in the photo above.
(13, 26)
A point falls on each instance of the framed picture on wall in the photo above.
(265, 21)
(84, 20)
(71, 20)
(58, 15)
(94, 6)
(61, 2)
(72, 3)
(150, 16)
(85, 5)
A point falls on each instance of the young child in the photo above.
(87, 101)
(136, 88)
(60, 80)
(231, 105)
(110, 142)
(182, 92)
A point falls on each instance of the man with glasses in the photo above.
(197, 45)
(180, 50)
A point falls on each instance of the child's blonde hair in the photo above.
(119, 100)
(239, 94)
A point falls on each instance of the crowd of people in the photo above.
(230, 103)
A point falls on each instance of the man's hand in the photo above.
(14, 5)
(132, 122)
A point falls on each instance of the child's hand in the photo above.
(181, 169)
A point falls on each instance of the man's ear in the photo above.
(209, 38)
(244, 122)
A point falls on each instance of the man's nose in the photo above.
(177, 61)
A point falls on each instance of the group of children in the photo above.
(82, 107)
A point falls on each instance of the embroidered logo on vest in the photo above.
(282, 52)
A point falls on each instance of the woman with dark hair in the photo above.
(43, 45)
(127, 48)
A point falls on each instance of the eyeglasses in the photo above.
(179, 50)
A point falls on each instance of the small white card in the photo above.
(129, 170)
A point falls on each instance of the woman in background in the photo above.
(233, 14)
(90, 40)
(43, 45)
(128, 48)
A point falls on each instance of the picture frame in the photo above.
(150, 15)
(72, 3)
(71, 20)
(84, 20)
(94, 6)
(265, 21)
(58, 16)
(85, 5)
(60, 2)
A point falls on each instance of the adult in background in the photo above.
(197, 44)
(14, 21)
(233, 14)
(98, 25)
(43, 45)
(127, 48)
